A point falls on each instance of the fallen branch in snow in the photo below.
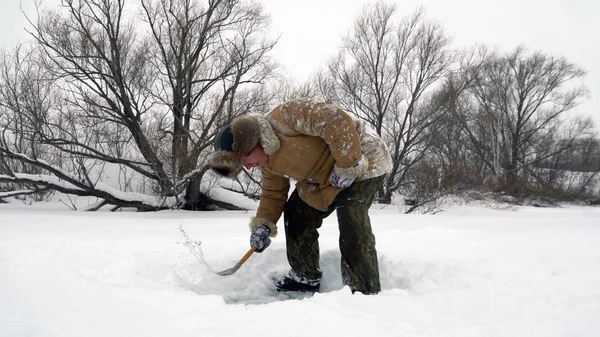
(425, 206)
(59, 180)
(96, 206)
(197, 200)
(107, 194)
(195, 174)
(62, 181)
(10, 194)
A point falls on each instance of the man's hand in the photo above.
(259, 238)
(339, 182)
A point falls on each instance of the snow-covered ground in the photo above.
(467, 271)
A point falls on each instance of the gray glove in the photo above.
(339, 182)
(259, 238)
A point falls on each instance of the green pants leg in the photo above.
(360, 268)
(302, 238)
(359, 265)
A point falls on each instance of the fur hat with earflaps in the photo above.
(238, 139)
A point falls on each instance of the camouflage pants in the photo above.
(360, 269)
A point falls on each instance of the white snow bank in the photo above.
(469, 271)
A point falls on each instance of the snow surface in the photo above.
(467, 271)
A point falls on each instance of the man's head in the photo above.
(237, 145)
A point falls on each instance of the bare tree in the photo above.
(208, 56)
(288, 89)
(451, 151)
(383, 74)
(584, 156)
(26, 97)
(519, 100)
(205, 51)
(557, 170)
(147, 97)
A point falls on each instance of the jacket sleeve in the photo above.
(332, 124)
(272, 201)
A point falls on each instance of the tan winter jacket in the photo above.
(306, 141)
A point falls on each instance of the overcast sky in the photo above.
(311, 29)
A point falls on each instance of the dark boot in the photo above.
(292, 282)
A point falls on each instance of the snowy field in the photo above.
(468, 271)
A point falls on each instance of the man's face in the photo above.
(256, 158)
